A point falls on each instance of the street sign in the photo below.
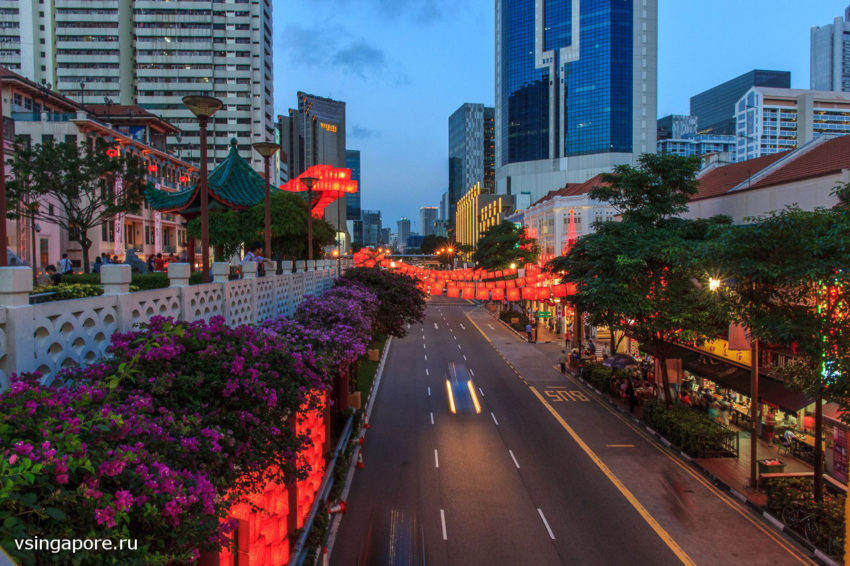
(543, 314)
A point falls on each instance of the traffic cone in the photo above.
(339, 507)
(360, 463)
(362, 438)
(366, 420)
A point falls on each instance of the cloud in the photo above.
(360, 58)
(417, 11)
(361, 132)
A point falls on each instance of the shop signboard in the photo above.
(543, 314)
(839, 454)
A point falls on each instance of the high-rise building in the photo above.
(830, 55)
(679, 135)
(477, 212)
(471, 151)
(371, 227)
(153, 53)
(444, 206)
(403, 231)
(575, 89)
(427, 220)
(714, 108)
(386, 236)
(314, 134)
(770, 120)
(352, 201)
(675, 126)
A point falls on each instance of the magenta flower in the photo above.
(123, 500)
(105, 515)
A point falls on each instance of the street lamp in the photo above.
(713, 284)
(83, 93)
(203, 107)
(266, 150)
(309, 182)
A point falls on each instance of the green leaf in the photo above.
(29, 499)
(55, 513)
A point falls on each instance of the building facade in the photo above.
(771, 120)
(471, 150)
(403, 232)
(133, 130)
(153, 53)
(314, 134)
(575, 89)
(371, 227)
(830, 55)
(698, 144)
(352, 201)
(428, 220)
(478, 211)
(714, 108)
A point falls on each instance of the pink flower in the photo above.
(123, 500)
(12, 459)
(106, 515)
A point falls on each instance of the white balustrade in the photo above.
(49, 336)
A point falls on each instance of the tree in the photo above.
(639, 275)
(83, 181)
(505, 244)
(786, 282)
(401, 301)
(431, 243)
(227, 232)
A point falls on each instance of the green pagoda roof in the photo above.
(232, 184)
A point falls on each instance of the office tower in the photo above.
(675, 126)
(715, 107)
(471, 150)
(575, 89)
(444, 206)
(427, 220)
(679, 135)
(352, 201)
(386, 237)
(830, 55)
(403, 231)
(153, 53)
(770, 120)
(314, 134)
(371, 227)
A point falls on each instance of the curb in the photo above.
(352, 465)
(760, 511)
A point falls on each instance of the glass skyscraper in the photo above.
(471, 151)
(574, 79)
(352, 201)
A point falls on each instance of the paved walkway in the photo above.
(733, 472)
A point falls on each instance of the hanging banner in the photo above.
(157, 232)
(118, 223)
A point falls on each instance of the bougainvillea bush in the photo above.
(400, 300)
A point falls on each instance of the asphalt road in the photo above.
(545, 474)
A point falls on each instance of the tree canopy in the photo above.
(401, 301)
(505, 244)
(88, 186)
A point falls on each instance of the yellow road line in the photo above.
(650, 520)
(619, 445)
(722, 496)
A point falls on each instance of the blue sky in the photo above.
(403, 66)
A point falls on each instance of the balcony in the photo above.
(37, 116)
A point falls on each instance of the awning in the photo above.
(736, 377)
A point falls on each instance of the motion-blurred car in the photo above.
(461, 391)
(395, 538)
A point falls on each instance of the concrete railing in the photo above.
(48, 336)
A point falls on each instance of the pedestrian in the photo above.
(159, 263)
(254, 254)
(562, 360)
(151, 263)
(685, 399)
(98, 263)
(724, 413)
(631, 395)
(65, 265)
(115, 260)
(528, 331)
(55, 278)
(568, 339)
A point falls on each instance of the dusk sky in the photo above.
(403, 66)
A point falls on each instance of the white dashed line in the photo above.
(432, 418)
(436, 327)
(426, 372)
(471, 373)
(481, 391)
(426, 357)
(458, 346)
(462, 326)
(429, 391)
(490, 326)
(436, 459)
(443, 521)
(423, 346)
(546, 523)
(464, 357)
(494, 418)
(511, 452)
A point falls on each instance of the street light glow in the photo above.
(713, 284)
(513, 266)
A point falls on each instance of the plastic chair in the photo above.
(784, 445)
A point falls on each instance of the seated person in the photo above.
(788, 437)
(685, 399)
(55, 278)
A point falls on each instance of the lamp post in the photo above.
(83, 93)
(203, 107)
(309, 182)
(108, 102)
(266, 150)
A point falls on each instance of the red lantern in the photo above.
(183, 178)
(529, 293)
(152, 168)
(113, 152)
(497, 294)
(482, 294)
(513, 294)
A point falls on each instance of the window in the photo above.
(107, 231)
(149, 235)
(50, 210)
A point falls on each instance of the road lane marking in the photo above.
(435, 327)
(490, 326)
(423, 346)
(426, 357)
(443, 521)
(494, 417)
(481, 391)
(462, 326)
(458, 346)
(429, 391)
(453, 336)
(511, 452)
(432, 418)
(619, 445)
(650, 520)
(471, 373)
(560, 394)
(436, 459)
(546, 523)
(464, 357)
(426, 371)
